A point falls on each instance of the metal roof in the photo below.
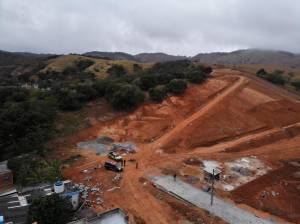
(213, 171)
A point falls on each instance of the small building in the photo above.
(115, 216)
(212, 173)
(6, 176)
(14, 205)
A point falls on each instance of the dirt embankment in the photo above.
(276, 192)
(224, 113)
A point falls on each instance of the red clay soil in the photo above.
(277, 192)
(226, 112)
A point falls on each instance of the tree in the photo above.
(117, 70)
(68, 100)
(53, 209)
(127, 97)
(100, 86)
(261, 72)
(296, 84)
(158, 93)
(196, 76)
(69, 70)
(137, 68)
(25, 125)
(83, 64)
(171, 67)
(177, 86)
(147, 81)
(86, 91)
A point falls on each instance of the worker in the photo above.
(124, 162)
(174, 176)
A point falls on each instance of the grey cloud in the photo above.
(173, 26)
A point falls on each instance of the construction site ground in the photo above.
(232, 118)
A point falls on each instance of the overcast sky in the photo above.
(184, 27)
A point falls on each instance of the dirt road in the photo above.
(133, 196)
(175, 133)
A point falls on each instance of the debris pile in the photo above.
(127, 147)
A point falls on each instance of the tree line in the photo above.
(27, 114)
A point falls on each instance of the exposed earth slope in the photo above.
(245, 125)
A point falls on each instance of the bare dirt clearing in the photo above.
(228, 118)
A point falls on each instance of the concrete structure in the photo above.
(224, 210)
(6, 176)
(14, 206)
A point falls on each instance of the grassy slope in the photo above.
(99, 68)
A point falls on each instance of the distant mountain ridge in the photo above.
(157, 57)
(249, 56)
(143, 57)
(110, 55)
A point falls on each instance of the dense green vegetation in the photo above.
(26, 119)
(52, 209)
(275, 77)
(279, 78)
(296, 84)
(158, 93)
(177, 86)
(117, 70)
(27, 113)
(32, 169)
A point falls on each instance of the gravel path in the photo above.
(226, 211)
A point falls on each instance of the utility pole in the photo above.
(212, 188)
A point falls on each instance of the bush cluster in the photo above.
(275, 77)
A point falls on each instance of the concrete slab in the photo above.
(224, 210)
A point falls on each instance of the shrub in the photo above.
(87, 92)
(171, 67)
(147, 81)
(137, 68)
(196, 76)
(163, 79)
(158, 93)
(83, 64)
(69, 70)
(117, 70)
(112, 87)
(261, 73)
(100, 86)
(69, 100)
(275, 77)
(296, 84)
(127, 97)
(177, 86)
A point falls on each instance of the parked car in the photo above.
(115, 156)
(113, 166)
